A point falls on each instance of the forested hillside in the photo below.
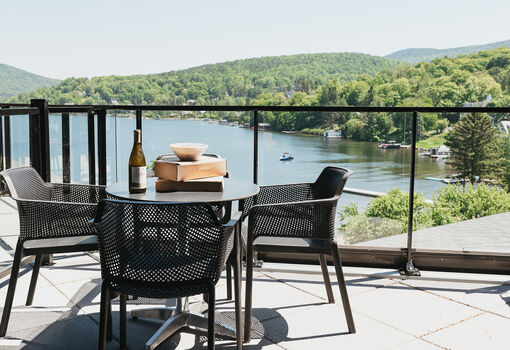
(237, 82)
(312, 80)
(428, 54)
(14, 81)
(442, 82)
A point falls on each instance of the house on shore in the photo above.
(332, 134)
(505, 125)
(264, 126)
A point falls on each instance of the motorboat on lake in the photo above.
(390, 144)
(286, 156)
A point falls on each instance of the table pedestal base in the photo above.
(183, 316)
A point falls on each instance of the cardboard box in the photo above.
(176, 170)
(210, 184)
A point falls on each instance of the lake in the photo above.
(374, 169)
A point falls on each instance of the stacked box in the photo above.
(205, 174)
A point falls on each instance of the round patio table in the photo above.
(233, 190)
(183, 315)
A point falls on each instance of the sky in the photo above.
(62, 38)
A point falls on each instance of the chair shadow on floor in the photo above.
(77, 327)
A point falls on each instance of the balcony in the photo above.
(435, 311)
(448, 306)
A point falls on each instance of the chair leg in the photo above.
(327, 282)
(33, 280)
(229, 278)
(103, 317)
(109, 330)
(123, 299)
(249, 287)
(237, 290)
(10, 291)
(210, 318)
(343, 289)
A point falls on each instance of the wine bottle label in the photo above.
(139, 176)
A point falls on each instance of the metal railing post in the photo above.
(66, 149)
(39, 127)
(139, 119)
(40, 139)
(2, 188)
(7, 140)
(1, 142)
(91, 148)
(409, 268)
(101, 145)
(255, 146)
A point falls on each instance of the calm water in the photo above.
(374, 169)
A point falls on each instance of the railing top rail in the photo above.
(18, 111)
(85, 108)
(2, 105)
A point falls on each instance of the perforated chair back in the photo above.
(160, 250)
(26, 183)
(330, 182)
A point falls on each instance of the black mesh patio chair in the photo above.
(53, 219)
(163, 250)
(297, 218)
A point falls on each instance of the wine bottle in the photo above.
(137, 168)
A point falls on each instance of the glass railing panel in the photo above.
(233, 143)
(55, 141)
(376, 170)
(78, 139)
(111, 148)
(20, 150)
(470, 202)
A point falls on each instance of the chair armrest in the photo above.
(304, 219)
(235, 219)
(51, 219)
(76, 193)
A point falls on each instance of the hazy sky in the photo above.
(63, 38)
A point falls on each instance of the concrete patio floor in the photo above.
(437, 310)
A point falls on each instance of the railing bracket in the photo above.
(410, 270)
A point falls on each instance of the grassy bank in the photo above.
(432, 141)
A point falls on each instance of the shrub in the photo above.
(361, 228)
(317, 131)
(395, 205)
(457, 203)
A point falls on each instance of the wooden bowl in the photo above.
(189, 151)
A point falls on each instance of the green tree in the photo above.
(474, 144)
(442, 124)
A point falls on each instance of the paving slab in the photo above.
(72, 332)
(6, 209)
(486, 331)
(410, 310)
(71, 268)
(272, 299)
(488, 297)
(314, 283)
(9, 224)
(45, 294)
(417, 344)
(190, 342)
(324, 327)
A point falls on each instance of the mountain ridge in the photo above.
(14, 81)
(233, 82)
(416, 55)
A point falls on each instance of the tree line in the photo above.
(341, 79)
